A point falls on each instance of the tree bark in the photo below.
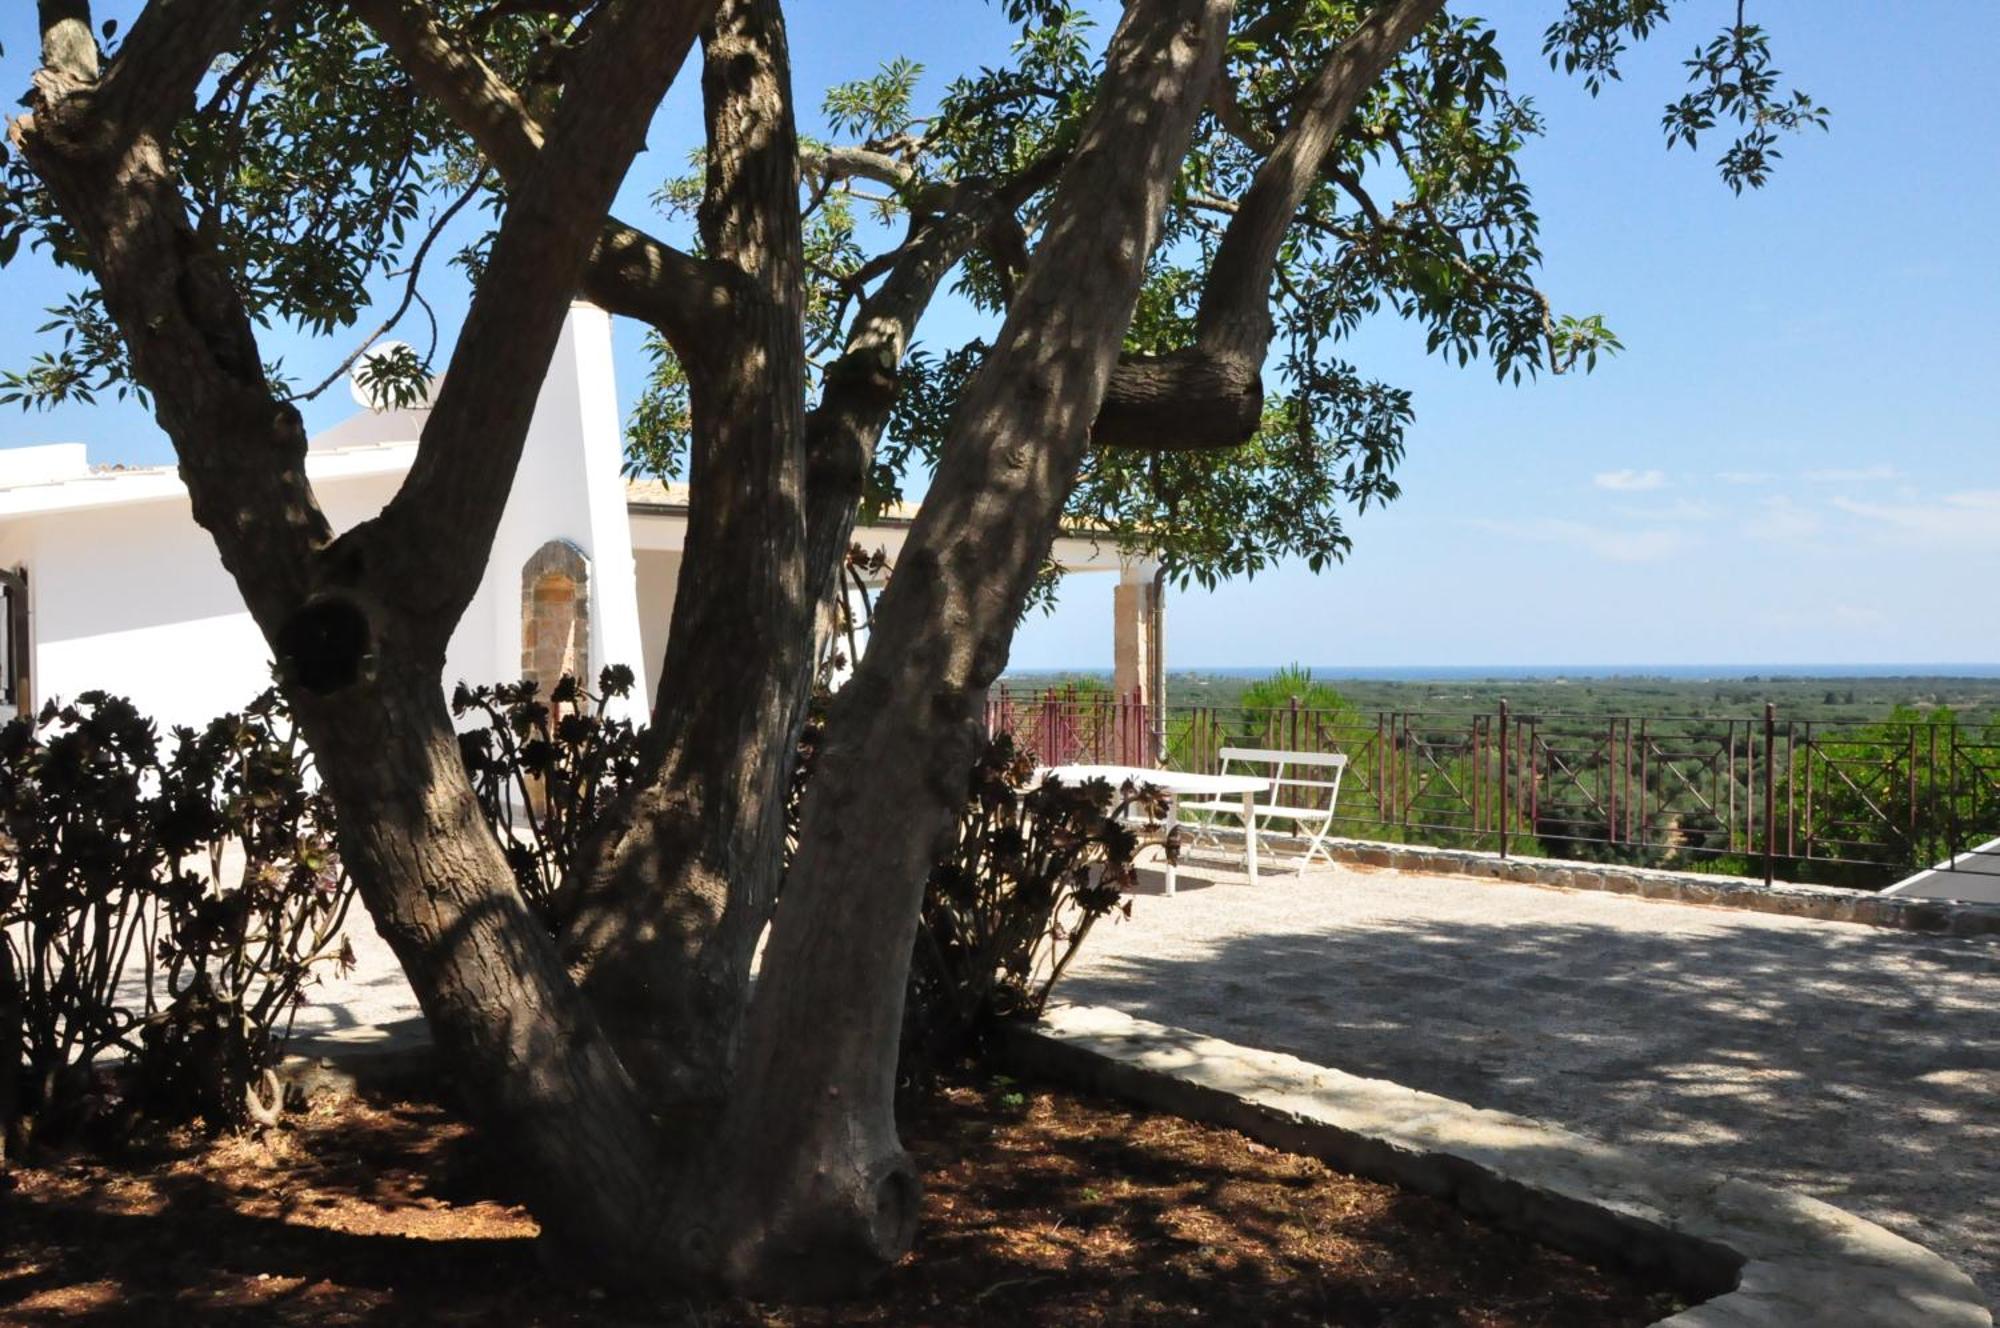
(668, 903)
(819, 1190)
(68, 44)
(1193, 399)
(509, 1025)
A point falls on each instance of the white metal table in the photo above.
(1174, 783)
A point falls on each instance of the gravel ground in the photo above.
(1859, 1065)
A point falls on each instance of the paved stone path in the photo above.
(1858, 1065)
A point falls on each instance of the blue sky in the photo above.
(1797, 459)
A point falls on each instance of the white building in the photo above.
(107, 582)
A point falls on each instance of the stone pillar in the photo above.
(1136, 638)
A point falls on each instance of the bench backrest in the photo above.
(1304, 770)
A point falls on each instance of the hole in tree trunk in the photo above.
(324, 647)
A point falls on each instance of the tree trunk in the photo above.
(781, 1172)
(520, 1041)
(819, 1192)
(359, 625)
(669, 902)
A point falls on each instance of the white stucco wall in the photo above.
(133, 599)
(44, 463)
(568, 487)
(659, 572)
(129, 595)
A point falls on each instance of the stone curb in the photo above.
(1825, 903)
(1755, 1257)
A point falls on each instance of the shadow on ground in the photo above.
(1042, 1210)
(1860, 1066)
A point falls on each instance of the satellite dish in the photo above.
(376, 396)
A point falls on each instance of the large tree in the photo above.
(1171, 229)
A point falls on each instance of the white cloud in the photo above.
(1612, 544)
(1746, 477)
(1854, 475)
(1630, 481)
(1967, 521)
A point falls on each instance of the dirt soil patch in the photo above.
(1041, 1208)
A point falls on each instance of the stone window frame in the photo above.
(557, 558)
(16, 653)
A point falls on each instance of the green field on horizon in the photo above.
(1820, 699)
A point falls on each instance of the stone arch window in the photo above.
(555, 614)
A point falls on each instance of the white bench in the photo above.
(1243, 791)
(1291, 774)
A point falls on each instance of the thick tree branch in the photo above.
(831, 165)
(100, 147)
(459, 80)
(859, 389)
(69, 44)
(666, 903)
(1235, 305)
(450, 505)
(169, 49)
(1211, 394)
(630, 272)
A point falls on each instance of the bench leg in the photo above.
(1250, 835)
(1316, 847)
(1173, 822)
(1318, 844)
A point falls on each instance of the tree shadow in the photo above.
(1081, 1212)
(196, 1258)
(1857, 1065)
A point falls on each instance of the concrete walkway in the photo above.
(1858, 1065)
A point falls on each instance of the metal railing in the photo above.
(1834, 801)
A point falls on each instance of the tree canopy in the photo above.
(322, 171)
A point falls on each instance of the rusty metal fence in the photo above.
(1836, 802)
